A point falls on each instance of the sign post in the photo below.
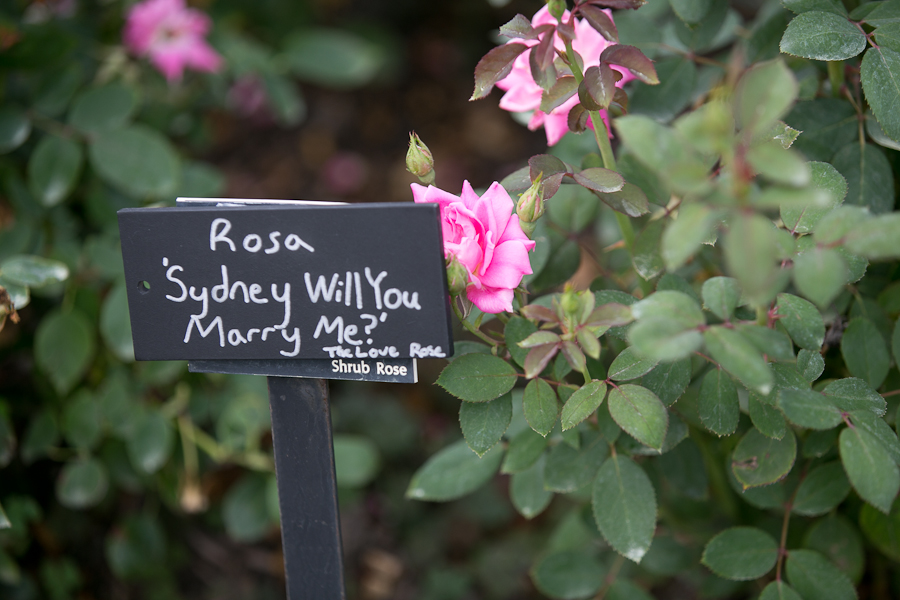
(299, 292)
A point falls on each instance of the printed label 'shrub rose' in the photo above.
(343, 283)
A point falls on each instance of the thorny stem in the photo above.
(472, 329)
(601, 135)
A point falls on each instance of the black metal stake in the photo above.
(307, 491)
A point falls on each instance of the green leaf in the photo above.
(64, 348)
(771, 342)
(738, 356)
(870, 468)
(820, 274)
(869, 177)
(779, 165)
(895, 342)
(484, 423)
(719, 408)
(663, 102)
(115, 323)
(813, 576)
(53, 169)
(764, 94)
(569, 469)
(477, 377)
(494, 66)
(880, 76)
(668, 380)
(802, 6)
(333, 58)
(677, 306)
(640, 413)
(879, 429)
(526, 490)
(629, 365)
(836, 224)
(807, 408)
(516, 330)
(683, 468)
(103, 108)
(690, 11)
(840, 542)
(760, 460)
(882, 530)
(803, 219)
(778, 590)
(245, 511)
(827, 124)
(41, 435)
(823, 36)
(741, 553)
(877, 238)
(81, 424)
(818, 443)
(721, 296)
(582, 404)
(453, 472)
(853, 394)
(524, 449)
(888, 35)
(15, 127)
(136, 160)
(622, 589)
(751, 254)
(356, 459)
(540, 406)
(150, 444)
(645, 258)
(767, 419)
(568, 575)
(802, 321)
(823, 489)
(664, 340)
(33, 271)
(624, 504)
(684, 236)
(82, 483)
(810, 364)
(864, 351)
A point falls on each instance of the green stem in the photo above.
(472, 329)
(836, 76)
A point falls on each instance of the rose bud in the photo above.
(457, 276)
(531, 206)
(419, 161)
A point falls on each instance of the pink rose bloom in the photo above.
(171, 36)
(523, 94)
(485, 237)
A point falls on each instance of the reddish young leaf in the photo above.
(541, 61)
(519, 27)
(632, 59)
(494, 66)
(541, 313)
(598, 88)
(601, 22)
(578, 118)
(564, 88)
(618, 4)
(538, 359)
(598, 179)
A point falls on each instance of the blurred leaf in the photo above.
(880, 76)
(41, 435)
(822, 490)
(803, 219)
(721, 296)
(813, 576)
(334, 58)
(103, 108)
(135, 551)
(540, 406)
(15, 127)
(822, 36)
(453, 472)
(741, 553)
(622, 589)
(883, 530)
(624, 504)
(778, 590)
(663, 102)
(477, 377)
(527, 493)
(646, 257)
(245, 511)
(827, 125)
(150, 444)
(568, 575)
(877, 238)
(864, 351)
(764, 94)
(53, 169)
(484, 423)
(774, 162)
(82, 483)
(115, 323)
(802, 321)
(136, 160)
(684, 236)
(582, 404)
(81, 424)
(64, 348)
(734, 353)
(802, 6)
(200, 180)
(751, 254)
(663, 339)
(356, 460)
(33, 271)
(690, 11)
(719, 409)
(869, 467)
(285, 99)
(683, 468)
(57, 89)
(524, 449)
(869, 178)
(839, 541)
(771, 342)
(569, 469)
(640, 413)
(759, 460)
(668, 380)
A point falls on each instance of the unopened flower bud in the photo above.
(531, 206)
(556, 8)
(457, 276)
(419, 161)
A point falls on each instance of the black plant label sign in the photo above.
(286, 282)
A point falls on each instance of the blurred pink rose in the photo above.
(171, 36)
(523, 94)
(485, 237)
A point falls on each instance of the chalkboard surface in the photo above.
(286, 282)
